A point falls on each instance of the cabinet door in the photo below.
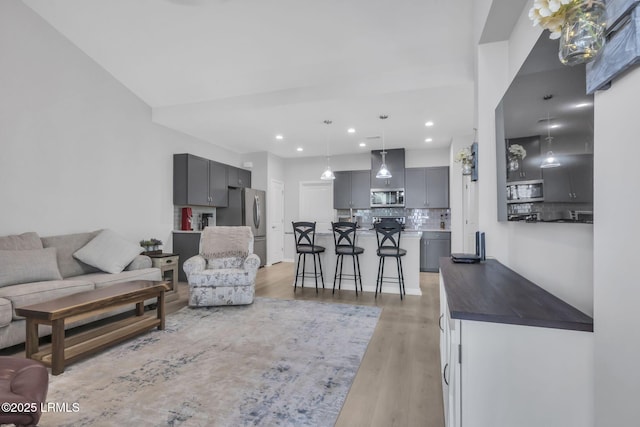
(244, 178)
(415, 193)
(529, 167)
(395, 164)
(360, 189)
(437, 187)
(435, 249)
(185, 245)
(557, 185)
(197, 181)
(232, 176)
(218, 184)
(581, 175)
(342, 190)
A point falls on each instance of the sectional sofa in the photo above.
(35, 269)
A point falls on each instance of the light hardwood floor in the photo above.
(398, 383)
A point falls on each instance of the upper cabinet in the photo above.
(198, 181)
(572, 181)
(427, 187)
(528, 168)
(240, 178)
(395, 164)
(351, 189)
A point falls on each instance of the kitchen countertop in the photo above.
(491, 292)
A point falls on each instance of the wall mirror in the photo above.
(544, 147)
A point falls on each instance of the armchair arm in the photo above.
(195, 264)
(251, 265)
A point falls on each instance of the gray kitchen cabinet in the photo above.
(239, 178)
(427, 187)
(529, 167)
(571, 182)
(186, 245)
(433, 245)
(395, 164)
(351, 190)
(198, 181)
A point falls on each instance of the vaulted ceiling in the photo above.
(237, 73)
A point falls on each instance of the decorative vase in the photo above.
(466, 167)
(583, 31)
(514, 163)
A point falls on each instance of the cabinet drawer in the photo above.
(164, 262)
(436, 235)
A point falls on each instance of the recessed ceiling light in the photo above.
(351, 130)
(279, 137)
(299, 149)
(428, 140)
(363, 144)
(554, 126)
(582, 105)
(429, 123)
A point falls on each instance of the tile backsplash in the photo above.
(421, 219)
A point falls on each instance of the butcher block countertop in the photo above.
(491, 292)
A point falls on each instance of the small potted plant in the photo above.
(151, 246)
(516, 154)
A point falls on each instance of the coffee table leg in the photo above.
(140, 308)
(57, 346)
(160, 310)
(31, 344)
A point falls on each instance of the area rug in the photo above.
(272, 363)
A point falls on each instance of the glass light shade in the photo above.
(550, 161)
(383, 173)
(327, 174)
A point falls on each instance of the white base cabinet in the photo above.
(505, 375)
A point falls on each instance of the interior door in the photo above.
(275, 232)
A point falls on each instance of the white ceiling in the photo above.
(238, 72)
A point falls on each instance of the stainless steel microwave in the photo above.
(525, 191)
(387, 198)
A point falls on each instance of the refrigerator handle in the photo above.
(256, 211)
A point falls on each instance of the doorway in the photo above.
(275, 233)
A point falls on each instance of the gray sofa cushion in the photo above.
(6, 312)
(32, 293)
(22, 241)
(26, 266)
(109, 252)
(66, 245)
(139, 262)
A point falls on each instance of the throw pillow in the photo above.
(108, 251)
(25, 266)
(20, 242)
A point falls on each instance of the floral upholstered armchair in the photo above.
(224, 273)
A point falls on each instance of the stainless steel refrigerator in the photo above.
(247, 207)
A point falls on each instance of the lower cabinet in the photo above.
(433, 245)
(504, 375)
(186, 245)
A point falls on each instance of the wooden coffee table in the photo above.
(82, 305)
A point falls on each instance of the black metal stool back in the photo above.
(388, 235)
(305, 238)
(344, 239)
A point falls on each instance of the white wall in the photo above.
(557, 257)
(616, 233)
(78, 150)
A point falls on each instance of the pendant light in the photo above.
(550, 160)
(328, 175)
(383, 173)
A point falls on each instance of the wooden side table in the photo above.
(168, 265)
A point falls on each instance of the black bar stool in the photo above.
(305, 236)
(388, 236)
(344, 238)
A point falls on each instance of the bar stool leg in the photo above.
(295, 286)
(321, 275)
(341, 264)
(304, 267)
(335, 275)
(402, 276)
(399, 276)
(359, 272)
(355, 277)
(378, 275)
(315, 271)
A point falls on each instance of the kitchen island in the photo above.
(410, 241)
